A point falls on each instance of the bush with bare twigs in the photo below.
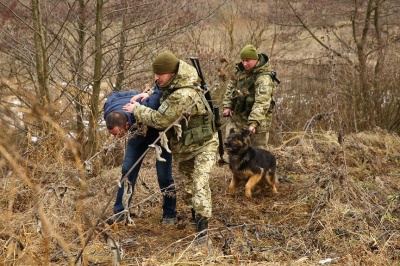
(336, 201)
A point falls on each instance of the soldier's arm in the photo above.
(168, 112)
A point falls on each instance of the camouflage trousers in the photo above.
(258, 140)
(196, 176)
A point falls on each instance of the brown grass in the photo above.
(338, 202)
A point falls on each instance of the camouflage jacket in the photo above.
(178, 95)
(250, 94)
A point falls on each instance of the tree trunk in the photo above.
(80, 83)
(41, 62)
(92, 144)
(121, 56)
(365, 101)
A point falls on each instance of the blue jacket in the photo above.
(117, 99)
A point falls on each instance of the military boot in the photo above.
(192, 220)
(201, 226)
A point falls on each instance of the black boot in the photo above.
(192, 220)
(201, 226)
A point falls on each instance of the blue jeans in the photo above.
(134, 150)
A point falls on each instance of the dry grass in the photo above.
(335, 202)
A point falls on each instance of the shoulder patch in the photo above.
(163, 107)
(263, 89)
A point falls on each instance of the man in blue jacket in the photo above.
(118, 123)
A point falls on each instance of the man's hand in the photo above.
(142, 96)
(252, 129)
(129, 107)
(227, 112)
(147, 87)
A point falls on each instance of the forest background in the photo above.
(338, 63)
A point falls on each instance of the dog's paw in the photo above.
(248, 193)
(231, 189)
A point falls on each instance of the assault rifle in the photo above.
(215, 108)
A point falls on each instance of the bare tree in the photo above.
(41, 54)
(361, 37)
(92, 144)
(78, 61)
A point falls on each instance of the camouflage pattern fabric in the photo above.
(196, 173)
(263, 88)
(177, 97)
(195, 160)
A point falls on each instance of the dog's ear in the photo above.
(245, 132)
(232, 130)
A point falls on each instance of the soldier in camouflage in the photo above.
(195, 151)
(248, 98)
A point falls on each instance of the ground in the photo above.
(337, 203)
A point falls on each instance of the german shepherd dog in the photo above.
(255, 166)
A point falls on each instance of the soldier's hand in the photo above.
(227, 112)
(129, 107)
(252, 129)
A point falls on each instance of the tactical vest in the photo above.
(243, 100)
(199, 128)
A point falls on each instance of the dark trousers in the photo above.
(134, 150)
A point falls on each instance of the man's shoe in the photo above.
(167, 220)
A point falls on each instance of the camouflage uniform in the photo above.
(195, 152)
(250, 96)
